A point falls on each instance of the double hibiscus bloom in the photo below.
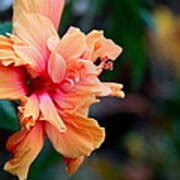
(56, 81)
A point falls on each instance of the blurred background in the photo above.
(143, 130)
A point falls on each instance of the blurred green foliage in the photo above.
(5, 28)
(8, 116)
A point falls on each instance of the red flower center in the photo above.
(40, 84)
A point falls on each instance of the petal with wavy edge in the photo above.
(100, 47)
(83, 135)
(112, 89)
(25, 146)
(31, 108)
(7, 54)
(72, 45)
(108, 49)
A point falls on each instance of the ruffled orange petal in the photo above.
(92, 39)
(100, 47)
(48, 8)
(12, 83)
(72, 45)
(83, 135)
(72, 165)
(88, 83)
(57, 68)
(7, 54)
(83, 90)
(30, 110)
(107, 48)
(34, 30)
(49, 112)
(112, 89)
(25, 146)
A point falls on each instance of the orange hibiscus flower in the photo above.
(56, 81)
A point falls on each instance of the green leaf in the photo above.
(5, 28)
(8, 116)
